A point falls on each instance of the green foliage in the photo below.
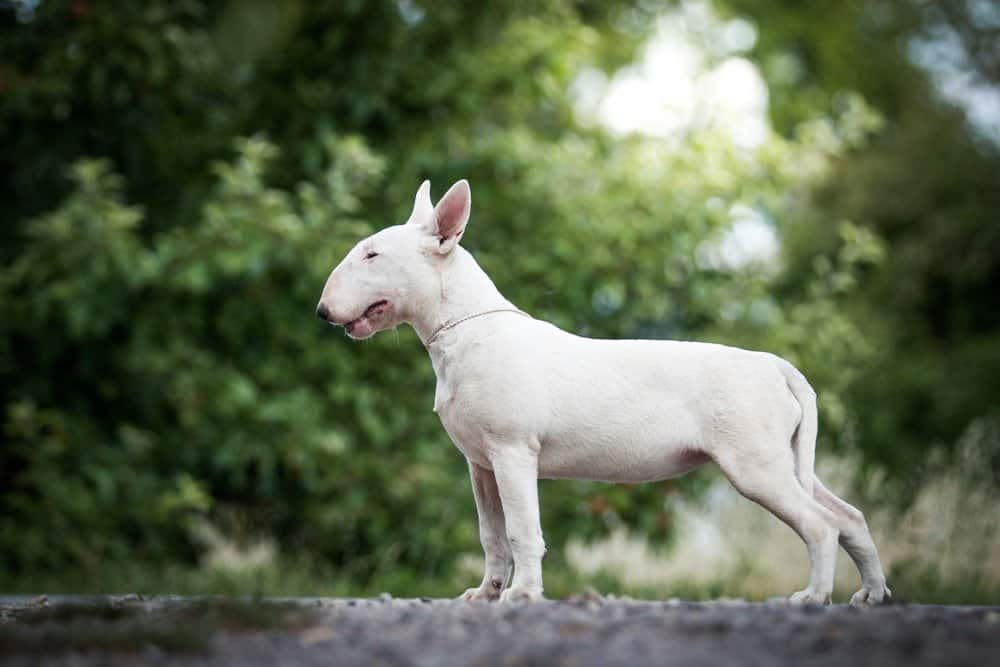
(925, 185)
(183, 175)
(199, 379)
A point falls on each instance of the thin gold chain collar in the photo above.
(454, 323)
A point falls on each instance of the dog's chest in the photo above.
(464, 432)
(444, 394)
(443, 397)
(448, 404)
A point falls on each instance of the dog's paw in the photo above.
(876, 594)
(489, 594)
(521, 594)
(809, 597)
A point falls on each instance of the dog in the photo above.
(523, 400)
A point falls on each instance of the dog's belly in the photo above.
(639, 443)
(657, 463)
(624, 412)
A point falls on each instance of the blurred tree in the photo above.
(926, 184)
(181, 176)
(159, 359)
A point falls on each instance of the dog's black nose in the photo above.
(322, 313)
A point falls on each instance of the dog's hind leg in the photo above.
(767, 477)
(857, 541)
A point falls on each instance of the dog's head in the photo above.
(391, 274)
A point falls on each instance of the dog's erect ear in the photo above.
(451, 215)
(423, 209)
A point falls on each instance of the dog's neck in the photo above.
(464, 289)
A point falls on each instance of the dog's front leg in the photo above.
(492, 534)
(516, 471)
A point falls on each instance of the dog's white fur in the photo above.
(524, 400)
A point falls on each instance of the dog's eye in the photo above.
(370, 255)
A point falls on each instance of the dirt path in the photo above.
(583, 631)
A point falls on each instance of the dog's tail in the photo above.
(804, 437)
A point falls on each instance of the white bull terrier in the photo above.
(525, 400)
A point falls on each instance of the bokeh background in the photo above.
(821, 180)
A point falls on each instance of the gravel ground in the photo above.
(586, 630)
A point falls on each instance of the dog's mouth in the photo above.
(363, 326)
